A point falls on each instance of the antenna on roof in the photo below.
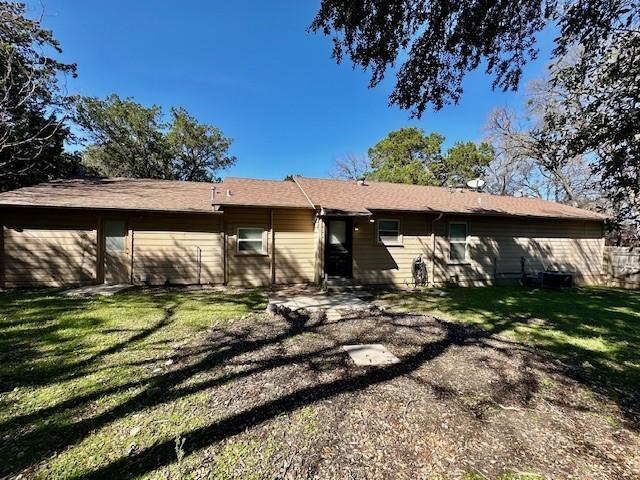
(476, 183)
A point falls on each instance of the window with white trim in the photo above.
(458, 242)
(250, 240)
(389, 232)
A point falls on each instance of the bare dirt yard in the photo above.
(277, 397)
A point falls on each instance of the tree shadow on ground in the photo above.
(203, 367)
(594, 331)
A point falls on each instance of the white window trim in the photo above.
(262, 252)
(465, 260)
(397, 243)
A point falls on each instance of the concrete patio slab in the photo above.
(90, 290)
(334, 304)
(370, 355)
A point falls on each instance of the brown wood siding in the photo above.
(497, 247)
(242, 269)
(176, 249)
(374, 263)
(294, 246)
(45, 248)
(59, 247)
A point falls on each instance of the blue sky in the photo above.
(251, 69)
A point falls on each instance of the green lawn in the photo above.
(596, 328)
(73, 369)
(91, 382)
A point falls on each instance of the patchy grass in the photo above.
(180, 384)
(66, 363)
(595, 328)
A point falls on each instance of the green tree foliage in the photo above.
(599, 115)
(290, 177)
(33, 107)
(127, 138)
(443, 40)
(408, 155)
(198, 150)
(131, 140)
(464, 161)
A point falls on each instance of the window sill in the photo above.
(251, 254)
(382, 244)
(458, 262)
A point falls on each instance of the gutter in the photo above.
(433, 249)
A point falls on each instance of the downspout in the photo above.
(132, 246)
(2, 257)
(433, 249)
(272, 246)
(100, 251)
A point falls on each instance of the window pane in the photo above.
(457, 251)
(337, 232)
(458, 231)
(114, 235)
(250, 233)
(387, 225)
(250, 246)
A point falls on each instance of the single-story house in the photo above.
(262, 232)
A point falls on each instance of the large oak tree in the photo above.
(127, 139)
(33, 104)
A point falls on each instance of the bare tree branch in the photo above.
(350, 167)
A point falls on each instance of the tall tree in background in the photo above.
(33, 106)
(131, 140)
(127, 139)
(443, 40)
(464, 161)
(198, 151)
(350, 167)
(528, 162)
(408, 155)
(599, 116)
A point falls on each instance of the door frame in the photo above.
(349, 240)
(127, 254)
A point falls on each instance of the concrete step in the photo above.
(339, 282)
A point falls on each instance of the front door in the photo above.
(338, 248)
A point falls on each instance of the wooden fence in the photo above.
(622, 266)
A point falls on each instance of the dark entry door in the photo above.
(338, 248)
